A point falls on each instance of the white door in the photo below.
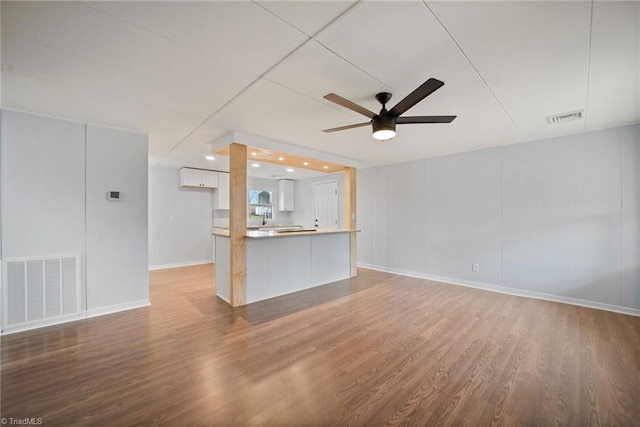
(325, 196)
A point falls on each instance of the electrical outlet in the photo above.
(475, 267)
(170, 219)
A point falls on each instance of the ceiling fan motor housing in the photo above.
(386, 122)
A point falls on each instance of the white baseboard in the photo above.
(101, 311)
(42, 323)
(180, 264)
(508, 291)
(94, 312)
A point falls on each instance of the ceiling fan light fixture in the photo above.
(384, 127)
(384, 134)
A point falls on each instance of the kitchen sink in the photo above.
(274, 227)
(295, 230)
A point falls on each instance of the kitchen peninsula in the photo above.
(253, 265)
(284, 261)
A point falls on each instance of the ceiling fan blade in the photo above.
(424, 90)
(346, 127)
(348, 104)
(425, 119)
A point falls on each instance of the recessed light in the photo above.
(281, 158)
(306, 163)
(253, 153)
(209, 157)
(290, 170)
(325, 167)
(255, 165)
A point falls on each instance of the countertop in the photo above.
(258, 234)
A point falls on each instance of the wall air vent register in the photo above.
(39, 291)
(566, 117)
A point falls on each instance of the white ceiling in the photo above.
(189, 72)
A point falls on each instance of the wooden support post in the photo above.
(350, 215)
(238, 224)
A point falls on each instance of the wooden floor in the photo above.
(379, 349)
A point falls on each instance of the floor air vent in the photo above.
(39, 290)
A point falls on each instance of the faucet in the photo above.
(264, 218)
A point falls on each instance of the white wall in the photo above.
(557, 217)
(116, 233)
(43, 192)
(55, 175)
(630, 224)
(43, 189)
(180, 221)
(304, 213)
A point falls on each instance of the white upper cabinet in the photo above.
(222, 193)
(198, 178)
(286, 190)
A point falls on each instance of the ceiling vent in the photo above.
(566, 117)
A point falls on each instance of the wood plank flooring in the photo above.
(378, 349)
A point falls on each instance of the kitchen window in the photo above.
(260, 204)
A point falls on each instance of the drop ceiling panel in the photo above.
(192, 153)
(420, 141)
(90, 34)
(273, 99)
(407, 51)
(614, 92)
(241, 33)
(308, 16)
(315, 71)
(30, 59)
(412, 48)
(201, 139)
(533, 56)
(165, 127)
(409, 144)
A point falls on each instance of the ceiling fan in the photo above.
(384, 123)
